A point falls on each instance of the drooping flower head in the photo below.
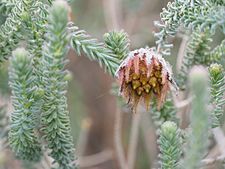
(142, 75)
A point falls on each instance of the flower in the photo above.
(142, 75)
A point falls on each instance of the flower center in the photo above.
(141, 83)
(144, 75)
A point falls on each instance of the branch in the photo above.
(118, 42)
(80, 41)
(170, 146)
(196, 53)
(217, 81)
(118, 140)
(54, 118)
(10, 31)
(22, 137)
(132, 148)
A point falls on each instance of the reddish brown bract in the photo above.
(142, 75)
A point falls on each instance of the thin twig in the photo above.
(44, 165)
(149, 138)
(48, 160)
(183, 103)
(95, 159)
(118, 140)
(220, 139)
(181, 51)
(210, 161)
(112, 13)
(83, 136)
(134, 139)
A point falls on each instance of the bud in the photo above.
(142, 75)
(21, 54)
(169, 129)
(215, 69)
(39, 92)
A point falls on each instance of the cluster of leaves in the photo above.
(217, 81)
(166, 113)
(37, 79)
(196, 15)
(37, 75)
(170, 143)
(22, 136)
(82, 42)
(196, 53)
(204, 19)
(5, 9)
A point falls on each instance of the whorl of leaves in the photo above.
(82, 42)
(118, 42)
(217, 93)
(54, 118)
(22, 136)
(169, 145)
(10, 31)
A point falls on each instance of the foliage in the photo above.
(38, 79)
(170, 145)
(10, 31)
(117, 42)
(217, 55)
(197, 52)
(22, 137)
(197, 15)
(217, 93)
(82, 42)
(54, 118)
(204, 19)
(166, 113)
(197, 141)
(34, 107)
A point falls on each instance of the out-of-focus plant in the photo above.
(202, 19)
(38, 80)
(199, 118)
(40, 121)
